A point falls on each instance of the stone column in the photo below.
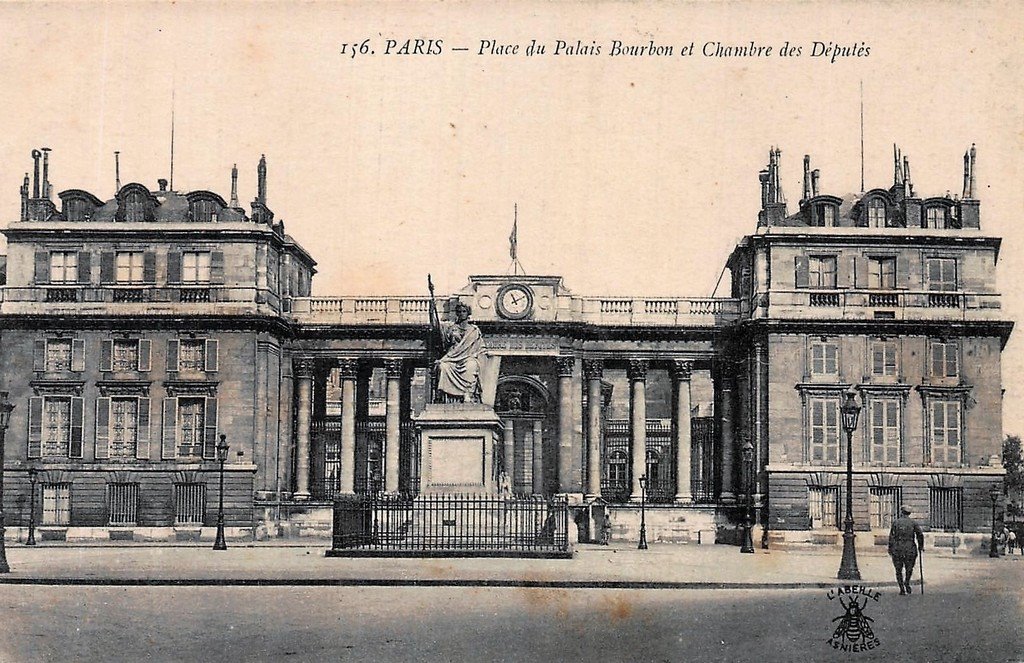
(348, 369)
(727, 390)
(681, 372)
(638, 424)
(509, 451)
(303, 368)
(594, 371)
(536, 438)
(760, 389)
(392, 421)
(565, 423)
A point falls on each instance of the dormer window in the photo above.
(135, 207)
(828, 215)
(204, 211)
(876, 213)
(78, 210)
(935, 217)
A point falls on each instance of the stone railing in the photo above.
(136, 300)
(658, 311)
(884, 304)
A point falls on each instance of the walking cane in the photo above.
(921, 563)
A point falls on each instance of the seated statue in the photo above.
(458, 371)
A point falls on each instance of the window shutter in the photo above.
(84, 267)
(211, 355)
(42, 270)
(142, 443)
(802, 272)
(149, 267)
(217, 267)
(77, 418)
(78, 354)
(102, 428)
(902, 272)
(861, 272)
(107, 267)
(172, 355)
(170, 428)
(952, 355)
(848, 265)
(210, 439)
(39, 355)
(145, 354)
(106, 355)
(35, 427)
(174, 267)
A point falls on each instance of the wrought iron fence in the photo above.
(455, 524)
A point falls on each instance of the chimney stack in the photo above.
(117, 171)
(815, 174)
(162, 183)
(764, 176)
(24, 199)
(261, 180)
(973, 191)
(36, 154)
(897, 174)
(234, 185)
(46, 173)
(908, 184)
(807, 177)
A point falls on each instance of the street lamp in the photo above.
(643, 514)
(848, 567)
(993, 546)
(5, 419)
(748, 485)
(33, 473)
(222, 456)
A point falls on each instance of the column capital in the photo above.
(566, 363)
(348, 367)
(638, 369)
(304, 367)
(682, 370)
(593, 368)
(393, 367)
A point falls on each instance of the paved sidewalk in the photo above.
(662, 566)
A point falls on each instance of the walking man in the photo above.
(905, 538)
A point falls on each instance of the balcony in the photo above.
(122, 295)
(140, 300)
(62, 295)
(854, 304)
(194, 295)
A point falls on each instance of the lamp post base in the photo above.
(643, 538)
(220, 543)
(848, 567)
(748, 540)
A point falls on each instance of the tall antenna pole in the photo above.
(862, 135)
(172, 136)
(117, 171)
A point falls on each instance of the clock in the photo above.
(514, 301)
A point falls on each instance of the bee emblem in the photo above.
(854, 625)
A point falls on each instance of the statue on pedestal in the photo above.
(456, 374)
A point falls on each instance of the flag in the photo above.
(513, 238)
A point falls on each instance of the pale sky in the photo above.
(632, 175)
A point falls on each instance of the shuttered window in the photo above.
(130, 267)
(63, 267)
(58, 355)
(57, 427)
(823, 428)
(882, 273)
(944, 359)
(824, 358)
(195, 267)
(885, 431)
(884, 362)
(941, 274)
(822, 271)
(945, 432)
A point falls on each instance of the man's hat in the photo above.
(906, 510)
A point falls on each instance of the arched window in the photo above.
(876, 213)
(618, 468)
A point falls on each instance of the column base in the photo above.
(683, 499)
(301, 497)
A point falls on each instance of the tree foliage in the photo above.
(1013, 462)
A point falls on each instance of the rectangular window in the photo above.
(944, 359)
(821, 271)
(191, 426)
(124, 427)
(192, 355)
(824, 430)
(122, 503)
(882, 273)
(884, 358)
(189, 503)
(130, 267)
(125, 356)
(945, 509)
(57, 427)
(828, 215)
(935, 217)
(824, 358)
(823, 506)
(195, 267)
(884, 506)
(63, 267)
(945, 432)
(941, 274)
(886, 432)
(58, 355)
(56, 503)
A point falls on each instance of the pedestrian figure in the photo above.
(1011, 541)
(905, 539)
(606, 527)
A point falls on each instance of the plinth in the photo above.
(457, 443)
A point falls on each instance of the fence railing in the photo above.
(451, 523)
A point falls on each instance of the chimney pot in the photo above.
(162, 183)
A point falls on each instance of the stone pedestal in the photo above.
(457, 442)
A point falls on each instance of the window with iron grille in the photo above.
(58, 354)
(885, 430)
(884, 505)
(823, 506)
(56, 426)
(63, 267)
(823, 428)
(124, 427)
(191, 426)
(189, 503)
(56, 503)
(122, 503)
(125, 355)
(945, 509)
(192, 355)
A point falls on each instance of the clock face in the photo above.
(515, 301)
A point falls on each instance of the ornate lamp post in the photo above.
(748, 503)
(222, 456)
(33, 473)
(848, 567)
(5, 419)
(993, 546)
(643, 514)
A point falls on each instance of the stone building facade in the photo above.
(135, 331)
